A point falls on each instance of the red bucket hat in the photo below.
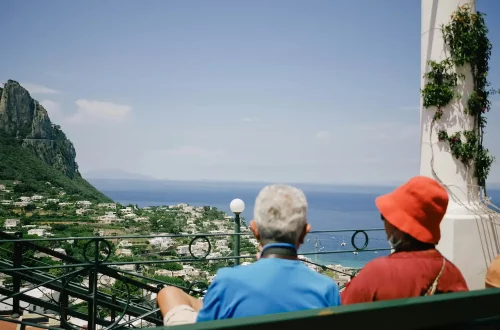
(416, 208)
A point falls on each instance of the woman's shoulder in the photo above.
(395, 259)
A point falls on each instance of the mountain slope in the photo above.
(35, 151)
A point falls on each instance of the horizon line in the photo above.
(390, 184)
(153, 179)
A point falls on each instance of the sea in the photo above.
(339, 209)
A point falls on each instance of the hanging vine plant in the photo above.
(466, 37)
(440, 89)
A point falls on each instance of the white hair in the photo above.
(280, 214)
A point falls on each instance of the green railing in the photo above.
(89, 284)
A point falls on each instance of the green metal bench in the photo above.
(463, 310)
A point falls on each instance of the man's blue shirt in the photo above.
(268, 286)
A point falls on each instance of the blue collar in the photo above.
(284, 250)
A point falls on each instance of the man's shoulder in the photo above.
(321, 280)
(238, 271)
(258, 268)
(263, 266)
(228, 274)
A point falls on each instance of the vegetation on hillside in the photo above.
(17, 163)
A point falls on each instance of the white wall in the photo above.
(469, 239)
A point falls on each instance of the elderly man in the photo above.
(277, 282)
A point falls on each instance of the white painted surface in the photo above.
(450, 170)
(468, 239)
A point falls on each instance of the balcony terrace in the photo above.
(90, 287)
(71, 282)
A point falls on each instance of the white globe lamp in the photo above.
(237, 206)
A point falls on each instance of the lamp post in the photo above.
(237, 206)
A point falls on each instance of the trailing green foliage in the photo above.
(440, 89)
(466, 37)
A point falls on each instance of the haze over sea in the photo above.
(330, 208)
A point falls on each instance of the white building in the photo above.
(12, 223)
(107, 205)
(221, 242)
(124, 252)
(190, 270)
(161, 242)
(109, 217)
(105, 281)
(37, 232)
(36, 197)
(83, 204)
(182, 250)
(164, 272)
(124, 244)
(179, 273)
(81, 211)
(199, 249)
(60, 250)
(127, 210)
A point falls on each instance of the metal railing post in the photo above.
(93, 278)
(159, 314)
(236, 247)
(64, 302)
(17, 262)
(113, 310)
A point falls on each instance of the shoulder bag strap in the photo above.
(433, 287)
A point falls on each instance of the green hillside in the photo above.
(36, 152)
(17, 163)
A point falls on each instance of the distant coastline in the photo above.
(117, 184)
(119, 179)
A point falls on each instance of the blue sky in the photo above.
(283, 90)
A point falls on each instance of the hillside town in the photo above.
(168, 232)
(138, 236)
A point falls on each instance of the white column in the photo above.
(468, 239)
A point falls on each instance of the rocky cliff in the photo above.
(25, 119)
(25, 124)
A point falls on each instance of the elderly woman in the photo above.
(411, 214)
(278, 282)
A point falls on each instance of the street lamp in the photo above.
(237, 206)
